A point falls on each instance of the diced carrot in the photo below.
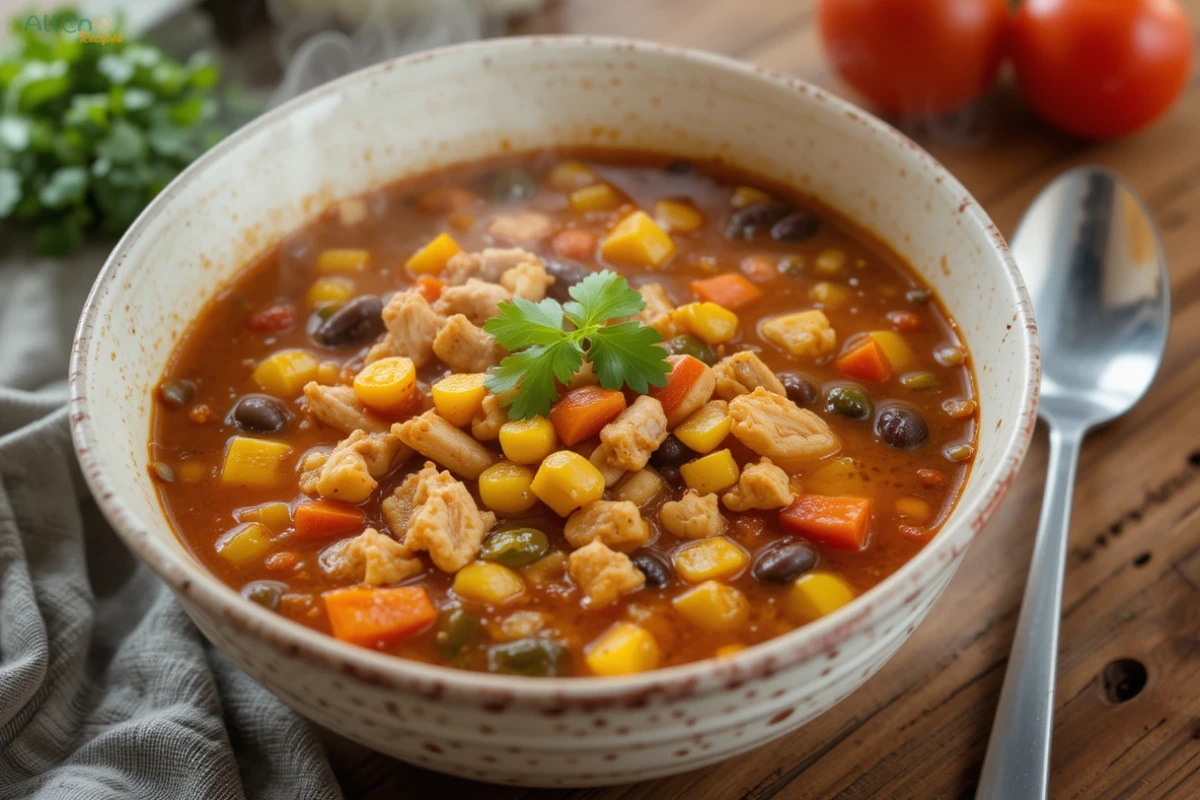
(429, 287)
(729, 290)
(866, 362)
(323, 518)
(685, 371)
(378, 617)
(575, 244)
(582, 413)
(904, 321)
(840, 522)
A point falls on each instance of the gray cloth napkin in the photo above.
(107, 690)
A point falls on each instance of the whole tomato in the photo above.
(915, 56)
(1101, 68)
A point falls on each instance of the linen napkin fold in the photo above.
(107, 690)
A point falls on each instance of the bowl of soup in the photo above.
(557, 411)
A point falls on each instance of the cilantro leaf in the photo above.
(600, 297)
(628, 354)
(535, 370)
(522, 323)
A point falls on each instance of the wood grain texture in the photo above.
(918, 729)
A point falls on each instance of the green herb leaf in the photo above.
(600, 297)
(535, 370)
(66, 187)
(628, 354)
(522, 323)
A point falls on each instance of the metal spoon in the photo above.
(1092, 260)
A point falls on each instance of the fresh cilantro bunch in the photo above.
(622, 353)
(90, 133)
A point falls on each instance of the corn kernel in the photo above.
(331, 262)
(711, 473)
(708, 321)
(571, 175)
(244, 544)
(713, 606)
(329, 290)
(597, 197)
(507, 488)
(433, 257)
(284, 374)
(528, 441)
(388, 385)
(485, 582)
(830, 261)
(841, 477)
(638, 240)
(815, 594)
(714, 558)
(566, 480)
(329, 373)
(276, 516)
(895, 348)
(747, 196)
(458, 398)
(706, 428)
(624, 650)
(914, 510)
(676, 216)
(830, 295)
(192, 471)
(727, 650)
(253, 462)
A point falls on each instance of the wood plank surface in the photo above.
(918, 729)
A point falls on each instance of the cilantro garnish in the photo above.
(544, 354)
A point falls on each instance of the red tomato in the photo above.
(1100, 68)
(915, 56)
(272, 320)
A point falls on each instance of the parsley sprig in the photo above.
(545, 354)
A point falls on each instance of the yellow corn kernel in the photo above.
(638, 240)
(676, 216)
(566, 480)
(192, 471)
(914, 510)
(830, 261)
(507, 488)
(528, 441)
(597, 197)
(896, 349)
(711, 473)
(830, 295)
(276, 516)
(706, 428)
(433, 257)
(458, 398)
(747, 196)
(625, 649)
(711, 559)
(331, 262)
(713, 606)
(549, 567)
(253, 462)
(245, 543)
(708, 321)
(387, 385)
(329, 373)
(815, 594)
(570, 175)
(284, 374)
(726, 650)
(461, 221)
(329, 290)
(485, 582)
(841, 477)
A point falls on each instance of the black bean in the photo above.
(801, 390)
(510, 184)
(901, 427)
(672, 453)
(358, 321)
(783, 562)
(566, 274)
(176, 394)
(799, 226)
(653, 566)
(681, 166)
(534, 657)
(260, 414)
(756, 218)
(917, 296)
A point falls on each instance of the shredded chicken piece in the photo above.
(693, 516)
(807, 333)
(352, 471)
(412, 325)
(465, 347)
(633, 436)
(528, 281)
(762, 485)
(657, 313)
(618, 524)
(523, 227)
(518, 625)
(339, 407)
(371, 557)
(742, 373)
(485, 426)
(603, 574)
(775, 427)
(476, 300)
(486, 265)
(436, 439)
(437, 514)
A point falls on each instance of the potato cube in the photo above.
(458, 398)
(245, 543)
(714, 607)
(325, 291)
(708, 321)
(571, 175)
(432, 257)
(253, 462)
(284, 374)
(332, 262)
(715, 558)
(528, 441)
(638, 240)
(485, 582)
(805, 333)
(624, 650)
(639, 488)
(705, 428)
(276, 516)
(507, 488)
(815, 594)
(597, 197)
(896, 349)
(676, 216)
(914, 510)
(566, 480)
(840, 477)
(714, 472)
(388, 385)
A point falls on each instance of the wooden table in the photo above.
(918, 729)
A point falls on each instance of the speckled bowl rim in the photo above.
(188, 578)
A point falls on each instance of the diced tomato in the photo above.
(575, 244)
(272, 320)
(840, 522)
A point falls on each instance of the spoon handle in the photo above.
(1017, 763)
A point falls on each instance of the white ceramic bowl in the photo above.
(461, 103)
